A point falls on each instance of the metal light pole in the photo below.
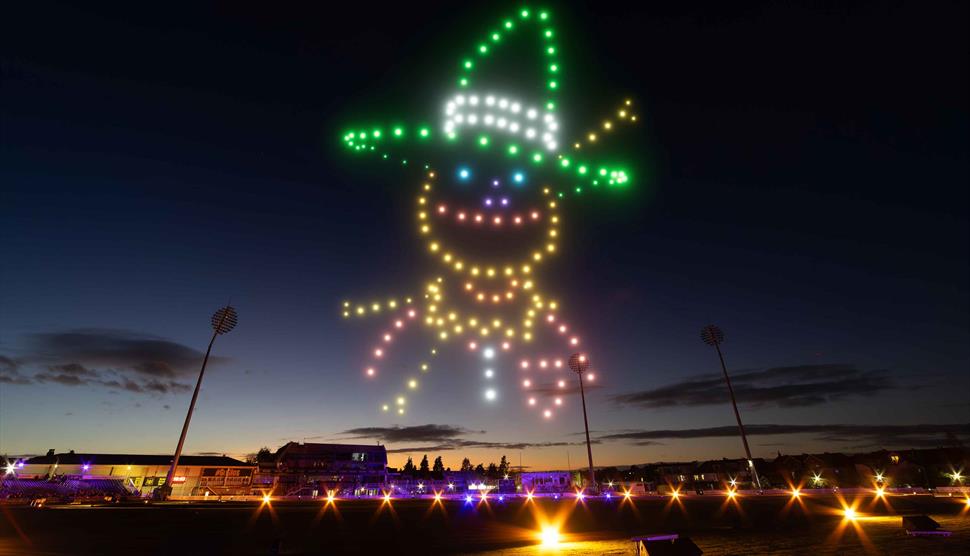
(579, 363)
(223, 321)
(713, 336)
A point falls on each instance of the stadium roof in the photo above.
(71, 458)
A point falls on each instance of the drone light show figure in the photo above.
(492, 176)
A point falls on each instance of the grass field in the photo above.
(752, 525)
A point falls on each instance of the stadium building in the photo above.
(316, 469)
(138, 474)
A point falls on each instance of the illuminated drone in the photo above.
(488, 209)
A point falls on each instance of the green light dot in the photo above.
(384, 156)
(468, 64)
(363, 135)
(404, 161)
(452, 135)
(582, 170)
(496, 37)
(551, 50)
(602, 171)
(550, 106)
(398, 132)
(377, 133)
(524, 14)
(560, 195)
(483, 141)
(553, 68)
(579, 190)
(565, 163)
(508, 23)
(548, 33)
(463, 82)
(537, 158)
(552, 84)
(352, 135)
(482, 48)
(424, 132)
(513, 149)
(543, 15)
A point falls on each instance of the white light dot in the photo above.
(490, 394)
(501, 123)
(489, 119)
(531, 114)
(490, 100)
(530, 133)
(460, 99)
(514, 127)
(515, 107)
(489, 373)
(473, 100)
(488, 353)
(548, 118)
(472, 119)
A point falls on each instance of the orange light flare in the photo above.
(796, 499)
(437, 502)
(329, 504)
(266, 503)
(852, 519)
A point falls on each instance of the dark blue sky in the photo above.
(804, 176)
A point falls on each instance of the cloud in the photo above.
(443, 437)
(117, 360)
(117, 349)
(800, 386)
(861, 435)
(415, 433)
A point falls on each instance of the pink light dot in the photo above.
(591, 377)
(543, 363)
(547, 413)
(506, 345)
(370, 371)
(478, 218)
(558, 362)
(558, 401)
(497, 220)
(461, 216)
(518, 219)
(574, 340)
(398, 324)
(472, 346)
(525, 364)
(535, 215)
(527, 383)
(411, 314)
(378, 353)
(562, 328)
(532, 401)
(551, 318)
(562, 383)
(387, 337)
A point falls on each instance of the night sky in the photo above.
(801, 181)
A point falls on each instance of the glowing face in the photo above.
(488, 212)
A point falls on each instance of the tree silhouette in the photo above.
(466, 465)
(480, 470)
(503, 466)
(424, 467)
(408, 468)
(438, 469)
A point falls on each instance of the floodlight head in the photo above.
(224, 320)
(578, 363)
(712, 335)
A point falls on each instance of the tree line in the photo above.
(437, 470)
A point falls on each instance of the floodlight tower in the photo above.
(223, 320)
(713, 336)
(579, 364)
